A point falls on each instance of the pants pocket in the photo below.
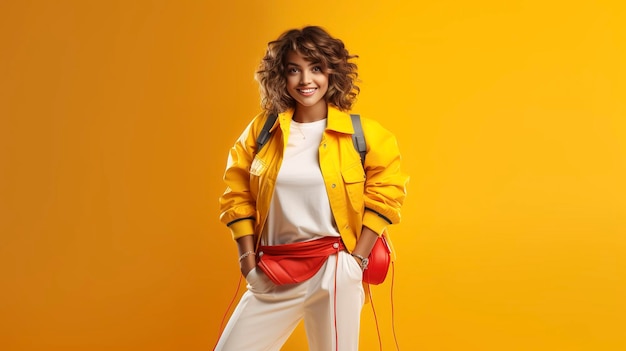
(258, 283)
(353, 268)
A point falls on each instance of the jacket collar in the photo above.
(338, 120)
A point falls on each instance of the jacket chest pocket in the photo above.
(354, 182)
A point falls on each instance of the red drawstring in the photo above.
(393, 315)
(335, 304)
(393, 318)
(227, 310)
(380, 340)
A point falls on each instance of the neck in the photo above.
(307, 114)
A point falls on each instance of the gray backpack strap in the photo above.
(264, 136)
(358, 138)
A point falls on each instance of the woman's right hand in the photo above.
(247, 264)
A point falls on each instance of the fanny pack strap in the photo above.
(313, 248)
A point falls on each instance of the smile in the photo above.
(307, 92)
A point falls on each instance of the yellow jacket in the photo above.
(369, 195)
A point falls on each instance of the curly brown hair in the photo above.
(315, 45)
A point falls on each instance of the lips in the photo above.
(307, 91)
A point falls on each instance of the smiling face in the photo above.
(307, 82)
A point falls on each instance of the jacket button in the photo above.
(333, 186)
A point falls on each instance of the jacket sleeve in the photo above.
(237, 203)
(385, 184)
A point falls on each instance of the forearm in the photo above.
(245, 245)
(365, 243)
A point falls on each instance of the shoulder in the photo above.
(374, 129)
(255, 124)
(250, 133)
(259, 119)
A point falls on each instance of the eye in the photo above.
(292, 70)
(317, 69)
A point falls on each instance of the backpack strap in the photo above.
(264, 136)
(358, 138)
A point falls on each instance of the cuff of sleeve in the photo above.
(242, 228)
(374, 222)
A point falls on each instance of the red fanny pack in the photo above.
(296, 262)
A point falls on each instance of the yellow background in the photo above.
(116, 117)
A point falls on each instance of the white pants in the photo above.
(267, 314)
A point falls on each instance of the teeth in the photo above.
(307, 90)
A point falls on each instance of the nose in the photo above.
(305, 78)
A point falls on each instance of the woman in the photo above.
(306, 186)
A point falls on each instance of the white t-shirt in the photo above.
(300, 209)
